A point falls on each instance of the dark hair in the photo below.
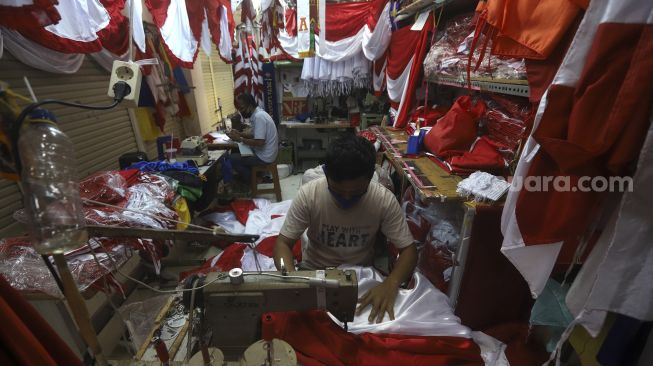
(350, 157)
(247, 99)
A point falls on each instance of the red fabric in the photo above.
(344, 20)
(482, 156)
(40, 14)
(402, 40)
(319, 341)
(214, 10)
(540, 73)
(242, 208)
(27, 339)
(432, 262)
(427, 116)
(457, 130)
(266, 247)
(594, 129)
(114, 37)
(231, 258)
(107, 187)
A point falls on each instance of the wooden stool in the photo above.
(276, 186)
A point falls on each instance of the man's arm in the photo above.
(382, 297)
(283, 249)
(247, 139)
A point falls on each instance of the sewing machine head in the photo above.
(234, 303)
(194, 148)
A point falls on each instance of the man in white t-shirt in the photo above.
(263, 139)
(342, 215)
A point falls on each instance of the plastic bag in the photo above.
(457, 130)
(106, 187)
(139, 318)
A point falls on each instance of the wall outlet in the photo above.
(130, 73)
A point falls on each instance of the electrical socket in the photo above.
(130, 73)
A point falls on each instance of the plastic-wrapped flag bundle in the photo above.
(483, 187)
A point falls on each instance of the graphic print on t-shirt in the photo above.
(343, 236)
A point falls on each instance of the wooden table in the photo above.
(430, 181)
(223, 146)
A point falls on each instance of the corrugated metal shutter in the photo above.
(100, 137)
(218, 84)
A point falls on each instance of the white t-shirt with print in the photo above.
(337, 236)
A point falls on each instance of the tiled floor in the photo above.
(289, 187)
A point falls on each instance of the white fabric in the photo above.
(176, 32)
(378, 80)
(304, 29)
(323, 77)
(482, 186)
(422, 310)
(80, 20)
(205, 39)
(617, 275)
(136, 22)
(372, 43)
(397, 87)
(39, 57)
(536, 262)
(105, 58)
(376, 42)
(226, 37)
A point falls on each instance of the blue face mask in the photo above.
(346, 203)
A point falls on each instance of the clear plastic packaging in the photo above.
(106, 187)
(25, 269)
(449, 55)
(51, 194)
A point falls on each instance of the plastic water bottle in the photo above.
(50, 187)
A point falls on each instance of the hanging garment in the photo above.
(590, 123)
(404, 69)
(325, 78)
(248, 76)
(526, 29)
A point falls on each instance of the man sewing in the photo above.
(263, 138)
(343, 213)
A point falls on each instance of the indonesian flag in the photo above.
(351, 27)
(248, 76)
(404, 67)
(73, 26)
(591, 123)
(186, 24)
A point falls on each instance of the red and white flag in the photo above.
(590, 124)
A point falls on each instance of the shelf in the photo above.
(511, 87)
(431, 182)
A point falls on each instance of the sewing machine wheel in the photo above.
(280, 354)
(217, 358)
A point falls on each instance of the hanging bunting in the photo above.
(305, 31)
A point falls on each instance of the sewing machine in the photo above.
(194, 148)
(232, 304)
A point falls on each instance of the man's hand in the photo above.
(382, 298)
(234, 135)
